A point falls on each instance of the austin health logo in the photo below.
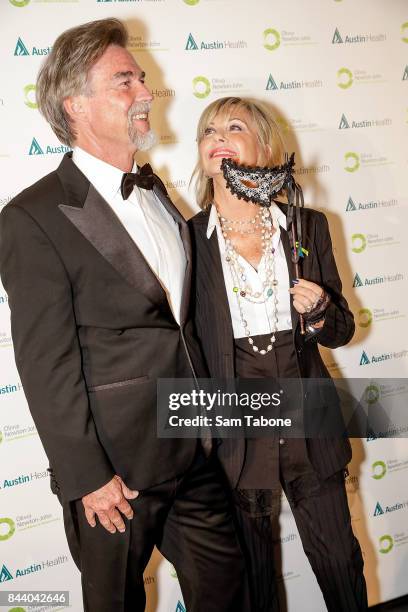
(180, 607)
(386, 543)
(271, 84)
(201, 87)
(350, 205)
(21, 49)
(357, 282)
(378, 510)
(405, 75)
(191, 44)
(5, 574)
(35, 148)
(337, 39)
(344, 124)
(7, 529)
(364, 360)
(272, 39)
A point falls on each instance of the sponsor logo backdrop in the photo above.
(337, 84)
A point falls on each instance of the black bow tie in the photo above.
(143, 178)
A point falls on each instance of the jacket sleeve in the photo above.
(338, 328)
(48, 356)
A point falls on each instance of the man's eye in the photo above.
(125, 83)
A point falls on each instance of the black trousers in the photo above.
(324, 525)
(190, 521)
(319, 507)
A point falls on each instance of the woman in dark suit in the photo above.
(248, 302)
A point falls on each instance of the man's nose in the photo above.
(144, 94)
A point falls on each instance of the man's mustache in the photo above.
(139, 108)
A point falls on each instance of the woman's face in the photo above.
(232, 136)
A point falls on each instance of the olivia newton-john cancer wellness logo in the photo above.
(7, 529)
(271, 39)
(201, 87)
(29, 96)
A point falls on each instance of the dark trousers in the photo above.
(189, 520)
(319, 507)
(324, 525)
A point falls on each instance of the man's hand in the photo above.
(105, 503)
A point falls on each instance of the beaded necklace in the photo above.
(241, 287)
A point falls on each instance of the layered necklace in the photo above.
(261, 223)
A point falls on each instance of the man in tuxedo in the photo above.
(97, 264)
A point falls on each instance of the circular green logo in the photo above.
(19, 3)
(17, 610)
(201, 87)
(1, 437)
(371, 394)
(191, 2)
(386, 544)
(272, 39)
(352, 161)
(365, 317)
(379, 470)
(359, 243)
(344, 78)
(29, 96)
(404, 32)
(10, 529)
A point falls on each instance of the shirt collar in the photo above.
(213, 220)
(105, 178)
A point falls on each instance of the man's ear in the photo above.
(73, 106)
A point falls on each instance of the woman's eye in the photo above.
(235, 127)
(208, 131)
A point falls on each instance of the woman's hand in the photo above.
(305, 295)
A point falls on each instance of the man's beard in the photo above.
(142, 142)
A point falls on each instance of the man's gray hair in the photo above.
(65, 70)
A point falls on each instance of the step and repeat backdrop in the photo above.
(335, 74)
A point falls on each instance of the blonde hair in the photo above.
(65, 70)
(267, 131)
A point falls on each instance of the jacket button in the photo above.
(281, 441)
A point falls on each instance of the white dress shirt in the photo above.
(259, 316)
(147, 222)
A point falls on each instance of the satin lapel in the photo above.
(185, 238)
(98, 223)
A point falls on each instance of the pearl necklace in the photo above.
(241, 288)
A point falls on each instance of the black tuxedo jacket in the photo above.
(92, 332)
(214, 328)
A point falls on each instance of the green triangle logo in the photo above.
(191, 44)
(344, 124)
(350, 206)
(20, 49)
(35, 148)
(364, 360)
(378, 510)
(337, 37)
(405, 75)
(357, 282)
(271, 83)
(5, 574)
